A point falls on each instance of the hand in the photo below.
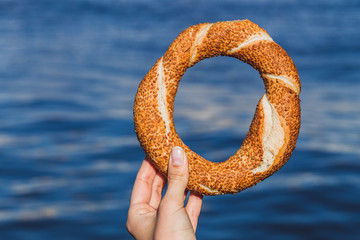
(151, 217)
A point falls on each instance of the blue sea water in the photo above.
(69, 71)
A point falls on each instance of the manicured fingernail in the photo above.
(177, 156)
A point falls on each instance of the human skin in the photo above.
(153, 217)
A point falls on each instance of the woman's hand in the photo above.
(151, 217)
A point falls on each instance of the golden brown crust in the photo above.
(154, 105)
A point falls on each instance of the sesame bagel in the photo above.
(273, 131)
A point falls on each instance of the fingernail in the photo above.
(177, 156)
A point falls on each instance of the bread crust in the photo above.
(154, 106)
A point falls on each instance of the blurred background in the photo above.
(69, 71)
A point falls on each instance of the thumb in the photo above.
(178, 176)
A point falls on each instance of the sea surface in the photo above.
(69, 71)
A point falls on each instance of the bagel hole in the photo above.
(215, 104)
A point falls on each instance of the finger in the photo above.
(193, 208)
(178, 175)
(157, 188)
(141, 192)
